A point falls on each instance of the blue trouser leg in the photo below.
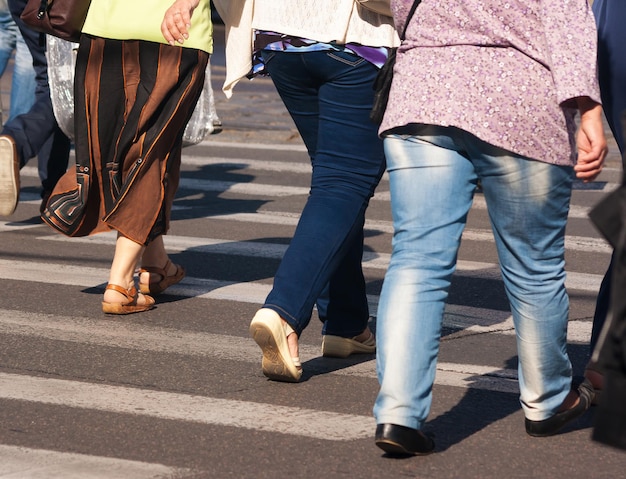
(432, 181)
(23, 77)
(329, 96)
(610, 19)
(33, 129)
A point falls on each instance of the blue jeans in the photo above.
(23, 79)
(433, 173)
(329, 96)
(610, 17)
(36, 132)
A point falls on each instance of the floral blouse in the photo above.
(505, 71)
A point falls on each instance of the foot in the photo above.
(574, 406)
(339, 347)
(9, 176)
(154, 280)
(596, 379)
(118, 300)
(279, 344)
(398, 440)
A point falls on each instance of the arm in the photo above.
(177, 21)
(590, 140)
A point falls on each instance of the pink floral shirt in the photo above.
(503, 70)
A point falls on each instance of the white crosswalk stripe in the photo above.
(257, 189)
(473, 320)
(22, 462)
(27, 463)
(262, 417)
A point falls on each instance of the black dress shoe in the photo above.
(398, 440)
(555, 423)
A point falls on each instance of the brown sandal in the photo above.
(166, 281)
(129, 307)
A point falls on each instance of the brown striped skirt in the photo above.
(133, 100)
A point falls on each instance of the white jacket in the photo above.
(342, 21)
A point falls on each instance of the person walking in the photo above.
(323, 57)
(23, 74)
(139, 72)
(610, 16)
(485, 91)
(33, 133)
(609, 354)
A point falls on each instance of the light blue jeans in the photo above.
(433, 173)
(23, 80)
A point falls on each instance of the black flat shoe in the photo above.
(398, 440)
(554, 424)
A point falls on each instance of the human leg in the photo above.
(27, 133)
(432, 187)
(593, 372)
(343, 332)
(7, 39)
(157, 271)
(528, 202)
(31, 130)
(610, 17)
(23, 75)
(52, 163)
(9, 163)
(23, 81)
(109, 148)
(121, 296)
(329, 95)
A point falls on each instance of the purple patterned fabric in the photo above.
(264, 40)
(506, 71)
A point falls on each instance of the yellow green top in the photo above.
(141, 20)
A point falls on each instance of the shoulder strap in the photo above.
(408, 19)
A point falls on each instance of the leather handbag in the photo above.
(67, 208)
(59, 18)
(379, 6)
(382, 83)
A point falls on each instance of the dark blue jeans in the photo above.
(610, 18)
(36, 132)
(329, 96)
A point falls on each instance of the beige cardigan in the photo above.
(322, 20)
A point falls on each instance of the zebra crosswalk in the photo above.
(33, 257)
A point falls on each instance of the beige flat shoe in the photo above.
(338, 347)
(9, 176)
(270, 332)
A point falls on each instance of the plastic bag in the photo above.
(61, 62)
(204, 119)
(61, 56)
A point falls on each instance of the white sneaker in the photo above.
(9, 176)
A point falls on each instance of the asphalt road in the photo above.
(178, 391)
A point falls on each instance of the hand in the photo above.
(590, 140)
(177, 20)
